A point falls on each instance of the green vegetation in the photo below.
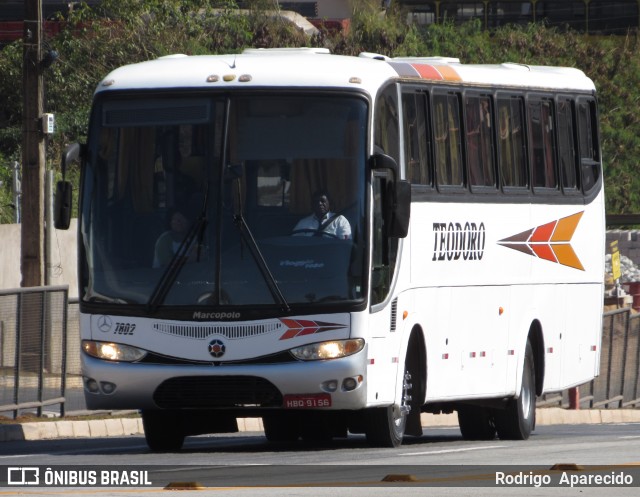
(128, 31)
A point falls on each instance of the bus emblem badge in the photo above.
(104, 324)
(217, 348)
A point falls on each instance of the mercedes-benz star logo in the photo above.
(104, 324)
(217, 348)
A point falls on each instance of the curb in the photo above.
(51, 430)
(119, 427)
(95, 428)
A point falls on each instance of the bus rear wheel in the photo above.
(476, 423)
(517, 420)
(281, 427)
(163, 430)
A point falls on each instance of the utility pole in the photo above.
(33, 150)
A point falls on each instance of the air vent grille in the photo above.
(228, 330)
(199, 392)
(394, 314)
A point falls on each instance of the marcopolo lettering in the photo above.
(216, 315)
(455, 241)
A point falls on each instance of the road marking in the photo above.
(447, 451)
(80, 451)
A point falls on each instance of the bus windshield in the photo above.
(256, 199)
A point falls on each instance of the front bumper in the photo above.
(113, 385)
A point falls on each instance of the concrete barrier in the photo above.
(121, 427)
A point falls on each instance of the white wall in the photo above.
(63, 263)
(331, 9)
(334, 9)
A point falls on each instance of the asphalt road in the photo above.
(439, 463)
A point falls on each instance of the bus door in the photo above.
(384, 348)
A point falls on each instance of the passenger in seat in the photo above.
(169, 241)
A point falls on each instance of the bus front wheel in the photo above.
(517, 420)
(163, 430)
(385, 426)
(281, 427)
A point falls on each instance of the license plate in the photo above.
(307, 401)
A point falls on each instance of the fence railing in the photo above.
(618, 385)
(40, 359)
(33, 348)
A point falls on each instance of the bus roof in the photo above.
(317, 68)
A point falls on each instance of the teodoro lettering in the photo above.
(455, 241)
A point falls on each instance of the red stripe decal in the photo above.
(427, 72)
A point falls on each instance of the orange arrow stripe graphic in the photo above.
(550, 241)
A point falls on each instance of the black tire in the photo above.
(518, 420)
(163, 430)
(385, 425)
(476, 423)
(319, 427)
(280, 428)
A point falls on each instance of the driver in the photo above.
(323, 222)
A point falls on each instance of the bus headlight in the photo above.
(328, 350)
(113, 351)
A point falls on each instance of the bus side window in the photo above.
(385, 248)
(387, 136)
(566, 145)
(479, 140)
(511, 158)
(542, 144)
(589, 153)
(272, 183)
(415, 137)
(380, 273)
(447, 142)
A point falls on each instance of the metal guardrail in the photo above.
(623, 219)
(40, 358)
(618, 385)
(33, 348)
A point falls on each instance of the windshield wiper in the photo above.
(247, 236)
(179, 259)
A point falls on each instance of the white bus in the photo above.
(459, 266)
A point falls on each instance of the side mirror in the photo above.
(399, 196)
(383, 161)
(64, 191)
(69, 156)
(401, 210)
(62, 206)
